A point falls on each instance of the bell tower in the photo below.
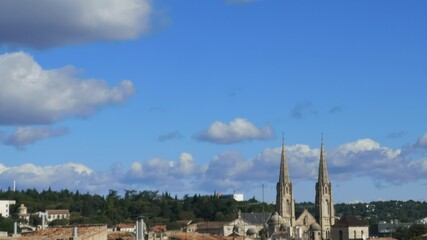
(285, 204)
(325, 214)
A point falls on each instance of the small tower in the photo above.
(285, 205)
(325, 214)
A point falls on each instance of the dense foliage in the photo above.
(161, 208)
(113, 208)
(414, 232)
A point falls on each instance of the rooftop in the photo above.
(348, 220)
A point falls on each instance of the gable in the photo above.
(305, 219)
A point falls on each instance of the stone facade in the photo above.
(350, 227)
(284, 224)
(325, 214)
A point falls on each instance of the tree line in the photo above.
(163, 209)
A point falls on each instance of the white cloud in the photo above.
(30, 94)
(68, 175)
(180, 174)
(228, 171)
(48, 23)
(238, 130)
(28, 135)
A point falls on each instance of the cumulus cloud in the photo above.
(31, 95)
(179, 174)
(170, 136)
(361, 158)
(28, 135)
(238, 130)
(365, 157)
(48, 23)
(229, 171)
(68, 175)
(300, 110)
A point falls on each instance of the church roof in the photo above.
(350, 221)
(256, 218)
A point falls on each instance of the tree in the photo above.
(7, 225)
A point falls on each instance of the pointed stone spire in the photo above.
(284, 170)
(323, 171)
(285, 204)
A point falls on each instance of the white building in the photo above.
(421, 221)
(5, 207)
(239, 197)
(57, 214)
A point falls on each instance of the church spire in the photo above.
(284, 170)
(323, 171)
(325, 213)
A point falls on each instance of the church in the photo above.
(284, 224)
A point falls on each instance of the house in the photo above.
(158, 228)
(350, 227)
(125, 227)
(238, 227)
(215, 228)
(386, 229)
(5, 207)
(57, 214)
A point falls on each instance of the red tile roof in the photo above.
(158, 228)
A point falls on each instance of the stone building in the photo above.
(5, 207)
(350, 227)
(285, 223)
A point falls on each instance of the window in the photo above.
(340, 235)
(354, 234)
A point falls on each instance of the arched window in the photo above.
(354, 234)
(326, 190)
(340, 235)
(286, 190)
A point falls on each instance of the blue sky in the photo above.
(193, 96)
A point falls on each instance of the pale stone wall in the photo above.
(352, 232)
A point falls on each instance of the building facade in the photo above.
(350, 227)
(5, 207)
(325, 214)
(285, 223)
